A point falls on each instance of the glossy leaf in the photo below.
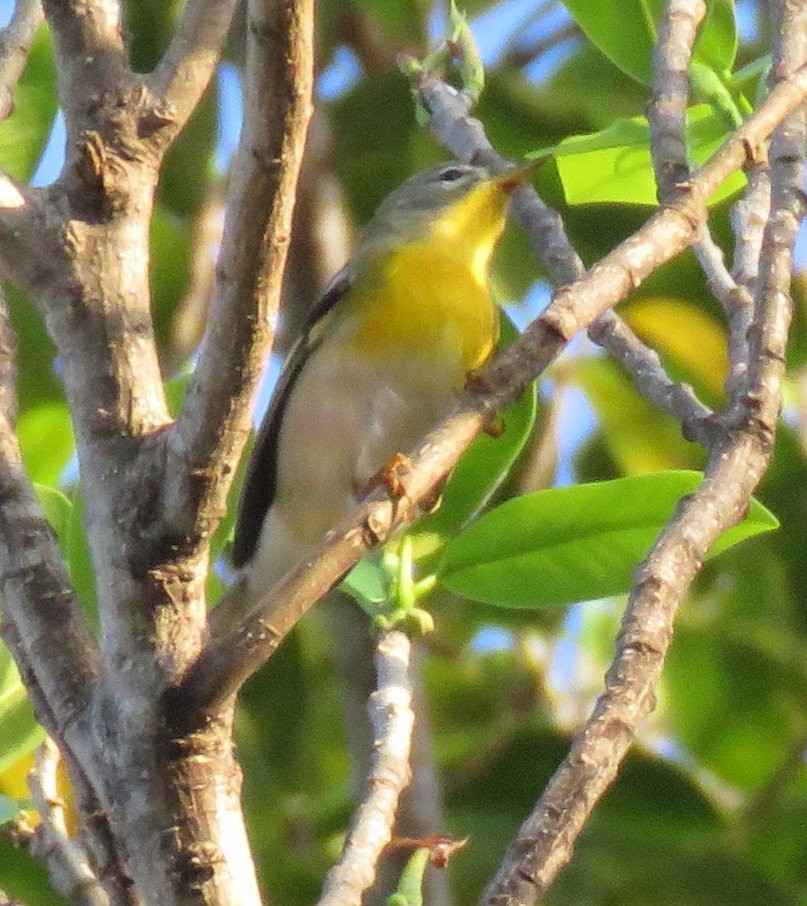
(19, 732)
(628, 33)
(614, 165)
(578, 543)
(625, 34)
(717, 41)
(23, 135)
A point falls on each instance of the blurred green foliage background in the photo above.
(711, 807)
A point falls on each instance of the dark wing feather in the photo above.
(260, 482)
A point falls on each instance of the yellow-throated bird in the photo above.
(385, 352)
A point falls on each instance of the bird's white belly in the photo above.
(358, 420)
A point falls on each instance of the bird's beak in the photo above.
(510, 180)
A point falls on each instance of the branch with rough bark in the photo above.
(159, 789)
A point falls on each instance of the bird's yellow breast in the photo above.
(430, 297)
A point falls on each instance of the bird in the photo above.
(383, 356)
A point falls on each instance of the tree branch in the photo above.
(392, 719)
(204, 444)
(231, 657)
(15, 42)
(91, 56)
(666, 114)
(187, 65)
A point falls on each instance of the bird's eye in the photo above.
(451, 174)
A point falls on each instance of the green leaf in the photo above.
(46, 440)
(480, 471)
(555, 547)
(369, 582)
(19, 732)
(614, 165)
(717, 41)
(714, 88)
(79, 560)
(625, 34)
(23, 135)
(409, 891)
(57, 509)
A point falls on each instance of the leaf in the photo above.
(614, 165)
(717, 41)
(19, 732)
(369, 582)
(46, 440)
(625, 33)
(57, 509)
(23, 135)
(555, 547)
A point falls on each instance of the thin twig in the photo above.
(15, 42)
(651, 380)
(67, 863)
(230, 658)
(392, 720)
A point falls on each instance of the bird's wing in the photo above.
(260, 482)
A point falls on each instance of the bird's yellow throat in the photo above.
(430, 294)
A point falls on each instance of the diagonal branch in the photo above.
(187, 65)
(231, 657)
(204, 444)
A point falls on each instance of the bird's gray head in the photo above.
(429, 192)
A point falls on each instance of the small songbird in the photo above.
(384, 354)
